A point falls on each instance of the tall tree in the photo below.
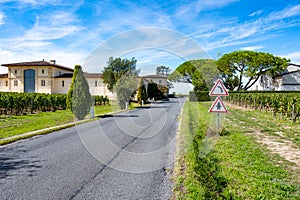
(79, 97)
(201, 73)
(125, 88)
(163, 71)
(153, 91)
(141, 93)
(116, 68)
(241, 69)
(70, 92)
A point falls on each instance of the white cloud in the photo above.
(195, 7)
(208, 4)
(117, 22)
(50, 33)
(150, 45)
(30, 44)
(62, 57)
(2, 16)
(36, 43)
(5, 53)
(251, 31)
(253, 48)
(293, 56)
(54, 26)
(256, 13)
(35, 2)
(285, 13)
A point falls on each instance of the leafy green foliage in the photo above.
(100, 100)
(141, 93)
(163, 71)
(22, 103)
(278, 102)
(70, 91)
(203, 178)
(116, 69)
(199, 96)
(81, 98)
(153, 91)
(238, 66)
(125, 88)
(201, 73)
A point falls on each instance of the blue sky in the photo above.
(155, 32)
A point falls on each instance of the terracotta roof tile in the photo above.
(37, 64)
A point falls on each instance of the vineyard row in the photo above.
(23, 103)
(285, 103)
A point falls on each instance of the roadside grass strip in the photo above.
(236, 167)
(24, 126)
(16, 125)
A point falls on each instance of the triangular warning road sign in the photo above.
(218, 106)
(218, 89)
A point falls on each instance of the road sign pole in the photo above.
(218, 122)
(218, 106)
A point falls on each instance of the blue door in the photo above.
(29, 80)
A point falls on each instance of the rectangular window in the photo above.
(43, 83)
(63, 83)
(43, 71)
(6, 83)
(15, 83)
(16, 71)
(159, 81)
(95, 83)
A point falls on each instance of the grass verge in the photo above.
(235, 167)
(18, 125)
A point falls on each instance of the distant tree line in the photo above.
(239, 70)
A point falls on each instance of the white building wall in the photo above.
(3, 86)
(292, 78)
(97, 87)
(61, 85)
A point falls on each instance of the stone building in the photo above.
(51, 78)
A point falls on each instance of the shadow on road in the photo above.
(10, 166)
(119, 116)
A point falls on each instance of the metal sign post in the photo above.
(218, 106)
(218, 122)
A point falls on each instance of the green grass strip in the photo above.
(236, 168)
(24, 126)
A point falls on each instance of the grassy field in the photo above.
(16, 125)
(233, 165)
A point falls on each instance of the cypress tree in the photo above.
(141, 93)
(79, 97)
(153, 91)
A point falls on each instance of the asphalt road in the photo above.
(126, 156)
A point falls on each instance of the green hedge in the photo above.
(199, 96)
